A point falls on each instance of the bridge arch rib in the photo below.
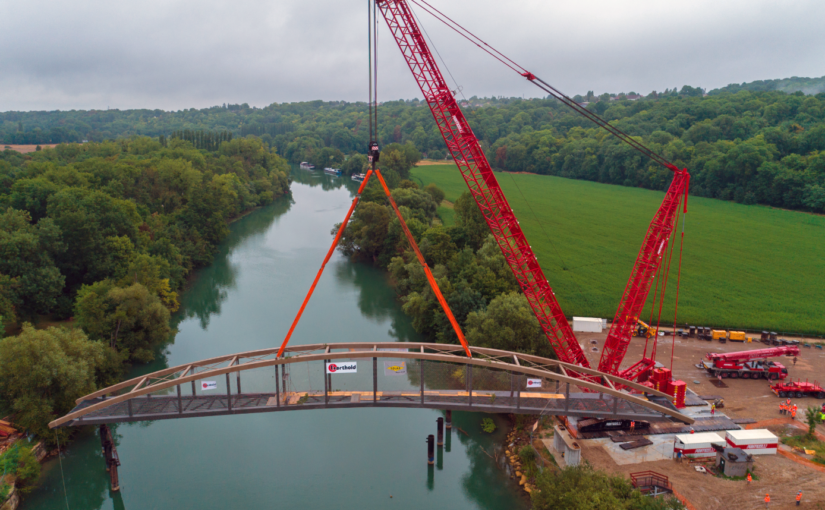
(133, 400)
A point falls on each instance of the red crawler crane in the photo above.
(471, 161)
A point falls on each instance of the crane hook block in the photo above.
(373, 153)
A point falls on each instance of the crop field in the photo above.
(743, 266)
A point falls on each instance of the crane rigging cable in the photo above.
(676, 305)
(542, 84)
(660, 229)
(664, 287)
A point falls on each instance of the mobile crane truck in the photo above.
(749, 364)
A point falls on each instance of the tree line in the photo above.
(105, 234)
(206, 140)
(741, 143)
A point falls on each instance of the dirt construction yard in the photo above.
(780, 475)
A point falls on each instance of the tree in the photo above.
(811, 418)
(131, 319)
(418, 200)
(437, 246)
(364, 236)
(508, 323)
(435, 192)
(355, 164)
(20, 462)
(91, 219)
(469, 218)
(26, 252)
(42, 372)
(152, 273)
(32, 195)
(8, 315)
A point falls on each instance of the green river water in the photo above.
(333, 459)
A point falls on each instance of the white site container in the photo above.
(753, 442)
(587, 324)
(697, 445)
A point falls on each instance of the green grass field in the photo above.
(743, 266)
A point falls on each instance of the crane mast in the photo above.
(654, 248)
(484, 188)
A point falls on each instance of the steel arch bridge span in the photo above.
(490, 381)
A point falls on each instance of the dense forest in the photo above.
(106, 233)
(751, 143)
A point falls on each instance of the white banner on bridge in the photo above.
(209, 385)
(348, 367)
(534, 383)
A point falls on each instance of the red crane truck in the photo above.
(749, 364)
(798, 389)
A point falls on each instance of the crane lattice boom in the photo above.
(466, 152)
(471, 161)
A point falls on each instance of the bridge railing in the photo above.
(390, 374)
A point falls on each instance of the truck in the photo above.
(749, 364)
(798, 389)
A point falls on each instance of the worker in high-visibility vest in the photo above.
(749, 478)
(798, 498)
(782, 408)
(793, 412)
(767, 500)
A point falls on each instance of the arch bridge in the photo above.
(365, 374)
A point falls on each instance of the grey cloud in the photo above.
(176, 54)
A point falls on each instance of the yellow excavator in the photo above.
(643, 329)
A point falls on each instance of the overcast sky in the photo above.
(175, 54)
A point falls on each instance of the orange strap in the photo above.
(323, 265)
(423, 262)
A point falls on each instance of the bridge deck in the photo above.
(143, 408)
(435, 376)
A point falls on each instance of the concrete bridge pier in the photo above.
(440, 427)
